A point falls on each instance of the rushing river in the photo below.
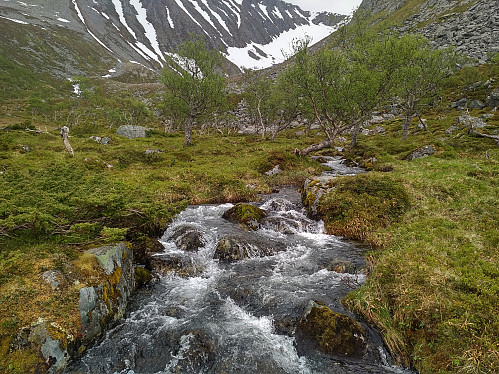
(238, 317)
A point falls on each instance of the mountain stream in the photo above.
(239, 317)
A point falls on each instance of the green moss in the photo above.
(358, 205)
(334, 333)
(142, 276)
(247, 215)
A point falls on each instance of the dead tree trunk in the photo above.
(316, 147)
(65, 135)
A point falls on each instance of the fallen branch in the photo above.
(479, 134)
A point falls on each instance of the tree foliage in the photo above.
(195, 84)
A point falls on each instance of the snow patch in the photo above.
(276, 49)
(170, 21)
(15, 20)
(150, 32)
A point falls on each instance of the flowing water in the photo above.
(238, 317)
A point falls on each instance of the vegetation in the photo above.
(195, 84)
(432, 223)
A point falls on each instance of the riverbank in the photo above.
(432, 223)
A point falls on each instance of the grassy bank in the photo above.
(433, 287)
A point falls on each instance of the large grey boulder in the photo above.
(493, 99)
(132, 132)
(461, 104)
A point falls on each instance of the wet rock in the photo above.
(143, 247)
(246, 215)
(131, 132)
(461, 104)
(101, 140)
(163, 264)
(187, 238)
(329, 332)
(342, 267)
(425, 151)
(493, 99)
(236, 247)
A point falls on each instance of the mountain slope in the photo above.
(141, 31)
(472, 26)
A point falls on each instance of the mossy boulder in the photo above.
(246, 215)
(329, 332)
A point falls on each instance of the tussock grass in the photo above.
(434, 288)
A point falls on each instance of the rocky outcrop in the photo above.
(471, 26)
(493, 99)
(99, 305)
(332, 333)
(313, 189)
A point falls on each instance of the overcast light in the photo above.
(334, 6)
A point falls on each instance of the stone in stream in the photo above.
(329, 332)
(246, 215)
(342, 266)
(187, 238)
(235, 247)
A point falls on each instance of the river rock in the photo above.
(342, 266)
(187, 238)
(329, 332)
(493, 99)
(132, 132)
(246, 215)
(425, 151)
(313, 189)
(235, 247)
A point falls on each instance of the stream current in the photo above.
(239, 317)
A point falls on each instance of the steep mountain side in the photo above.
(141, 31)
(472, 26)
